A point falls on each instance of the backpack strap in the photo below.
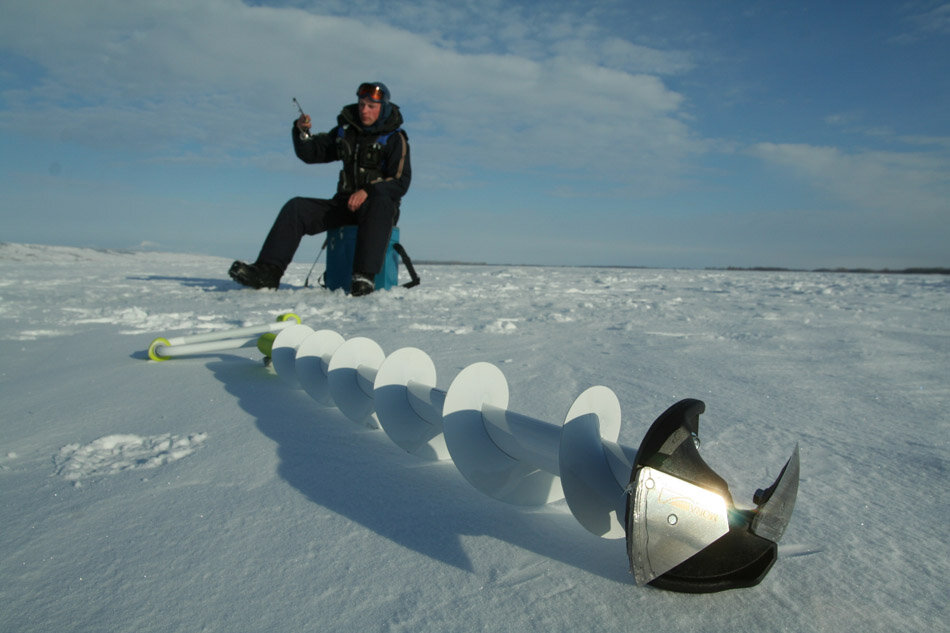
(408, 264)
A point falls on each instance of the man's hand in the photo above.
(357, 199)
(303, 123)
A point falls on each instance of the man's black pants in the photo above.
(309, 216)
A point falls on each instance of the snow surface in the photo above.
(203, 494)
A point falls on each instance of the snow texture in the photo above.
(204, 494)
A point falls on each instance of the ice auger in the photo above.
(683, 531)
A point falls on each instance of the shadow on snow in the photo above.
(426, 506)
(207, 284)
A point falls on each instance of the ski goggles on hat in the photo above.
(373, 92)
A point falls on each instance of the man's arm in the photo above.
(317, 148)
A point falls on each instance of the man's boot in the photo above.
(256, 275)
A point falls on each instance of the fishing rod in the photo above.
(303, 135)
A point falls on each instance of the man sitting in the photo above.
(375, 176)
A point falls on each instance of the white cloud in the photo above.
(219, 74)
(907, 184)
(924, 22)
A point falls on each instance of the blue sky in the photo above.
(669, 133)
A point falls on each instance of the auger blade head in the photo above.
(683, 531)
(673, 520)
(776, 503)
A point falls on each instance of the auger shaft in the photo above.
(523, 438)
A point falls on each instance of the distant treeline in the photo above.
(882, 271)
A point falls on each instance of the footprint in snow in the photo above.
(118, 453)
